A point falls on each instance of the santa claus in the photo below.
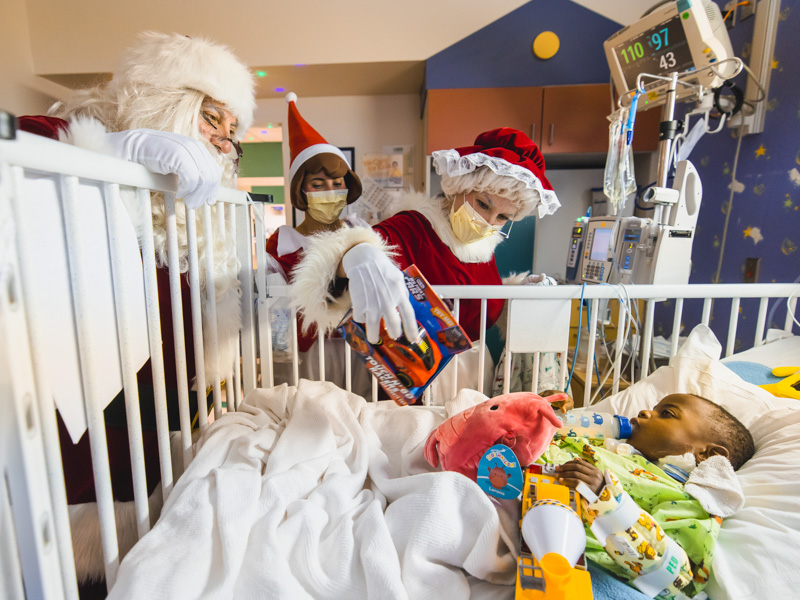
(180, 105)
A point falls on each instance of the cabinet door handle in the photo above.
(552, 132)
(533, 132)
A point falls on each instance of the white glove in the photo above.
(540, 279)
(199, 175)
(378, 291)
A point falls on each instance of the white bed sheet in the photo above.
(757, 549)
(784, 351)
(315, 493)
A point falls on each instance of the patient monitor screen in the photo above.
(660, 50)
(600, 241)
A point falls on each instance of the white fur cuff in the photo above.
(87, 133)
(312, 279)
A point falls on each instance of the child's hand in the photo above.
(562, 405)
(575, 471)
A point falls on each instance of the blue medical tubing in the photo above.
(631, 118)
(578, 342)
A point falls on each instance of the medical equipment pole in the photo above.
(667, 131)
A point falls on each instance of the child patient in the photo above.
(654, 504)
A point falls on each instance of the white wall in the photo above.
(572, 186)
(366, 123)
(21, 92)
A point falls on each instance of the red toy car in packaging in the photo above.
(404, 368)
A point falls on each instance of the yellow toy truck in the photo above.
(551, 564)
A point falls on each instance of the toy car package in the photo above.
(405, 368)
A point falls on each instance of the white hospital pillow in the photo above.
(756, 555)
(696, 369)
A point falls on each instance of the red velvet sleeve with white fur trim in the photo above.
(314, 278)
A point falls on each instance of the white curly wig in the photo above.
(483, 179)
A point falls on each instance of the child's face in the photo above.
(675, 426)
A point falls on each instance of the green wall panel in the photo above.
(275, 190)
(264, 159)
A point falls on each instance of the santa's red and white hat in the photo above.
(174, 62)
(508, 153)
(305, 141)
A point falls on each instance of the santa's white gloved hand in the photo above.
(538, 279)
(378, 291)
(199, 175)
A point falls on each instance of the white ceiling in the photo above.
(315, 48)
(362, 47)
(623, 12)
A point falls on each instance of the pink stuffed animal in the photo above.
(524, 421)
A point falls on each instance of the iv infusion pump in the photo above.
(604, 261)
(575, 247)
(646, 251)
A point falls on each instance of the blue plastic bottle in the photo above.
(583, 423)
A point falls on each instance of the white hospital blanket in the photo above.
(315, 493)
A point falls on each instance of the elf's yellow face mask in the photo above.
(468, 225)
(325, 206)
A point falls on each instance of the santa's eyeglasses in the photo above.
(236, 145)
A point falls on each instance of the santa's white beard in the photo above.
(225, 272)
(89, 133)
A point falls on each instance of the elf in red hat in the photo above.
(321, 184)
(451, 239)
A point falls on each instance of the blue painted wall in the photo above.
(501, 55)
(765, 217)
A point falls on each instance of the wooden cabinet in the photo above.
(569, 119)
(578, 386)
(456, 117)
(575, 120)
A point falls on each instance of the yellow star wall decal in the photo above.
(760, 151)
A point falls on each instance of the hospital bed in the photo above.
(306, 490)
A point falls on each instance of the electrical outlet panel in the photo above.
(750, 274)
(747, 10)
(737, 11)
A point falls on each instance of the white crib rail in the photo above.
(650, 294)
(37, 517)
(35, 542)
